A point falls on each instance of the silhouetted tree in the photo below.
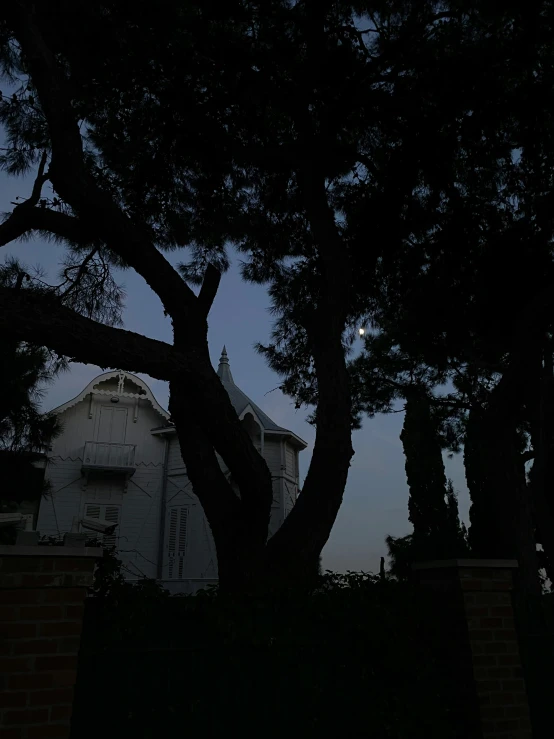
(290, 132)
(432, 505)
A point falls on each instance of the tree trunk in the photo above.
(293, 552)
(239, 523)
(540, 406)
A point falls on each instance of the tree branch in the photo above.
(15, 225)
(80, 272)
(443, 16)
(61, 225)
(404, 388)
(22, 316)
(209, 288)
(452, 403)
(74, 184)
(41, 178)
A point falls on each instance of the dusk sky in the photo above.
(376, 496)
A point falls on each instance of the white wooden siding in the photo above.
(140, 527)
(58, 509)
(139, 508)
(174, 461)
(78, 428)
(291, 494)
(179, 490)
(104, 491)
(272, 454)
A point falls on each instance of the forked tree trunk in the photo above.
(239, 524)
(293, 552)
(247, 561)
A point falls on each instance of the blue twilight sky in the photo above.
(375, 500)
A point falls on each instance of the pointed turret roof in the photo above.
(239, 400)
(224, 369)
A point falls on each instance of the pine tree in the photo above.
(25, 431)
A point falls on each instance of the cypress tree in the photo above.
(432, 504)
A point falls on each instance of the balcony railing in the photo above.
(100, 455)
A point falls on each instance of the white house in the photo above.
(118, 461)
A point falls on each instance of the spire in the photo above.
(224, 369)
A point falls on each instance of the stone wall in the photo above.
(42, 590)
(481, 652)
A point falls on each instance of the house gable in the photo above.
(116, 384)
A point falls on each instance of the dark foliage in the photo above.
(435, 531)
(25, 371)
(374, 163)
(347, 658)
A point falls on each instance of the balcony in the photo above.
(103, 456)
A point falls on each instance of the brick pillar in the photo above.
(42, 590)
(481, 646)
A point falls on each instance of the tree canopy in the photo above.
(372, 163)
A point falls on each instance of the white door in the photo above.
(112, 424)
(110, 446)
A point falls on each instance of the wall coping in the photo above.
(12, 550)
(473, 563)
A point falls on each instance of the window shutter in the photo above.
(172, 540)
(182, 539)
(289, 461)
(178, 520)
(111, 514)
(92, 511)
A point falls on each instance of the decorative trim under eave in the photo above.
(159, 430)
(148, 395)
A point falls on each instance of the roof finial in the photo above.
(224, 369)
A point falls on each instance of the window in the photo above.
(290, 461)
(178, 520)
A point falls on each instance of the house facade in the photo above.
(117, 469)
